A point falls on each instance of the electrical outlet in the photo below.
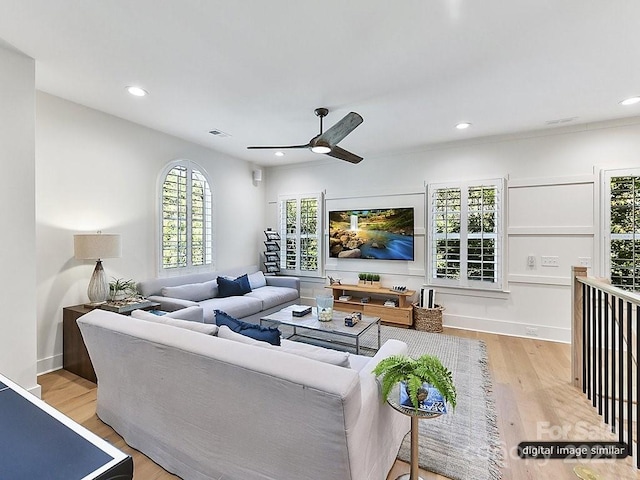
(585, 261)
(531, 261)
(547, 261)
(531, 331)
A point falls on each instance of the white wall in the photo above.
(98, 172)
(553, 210)
(17, 212)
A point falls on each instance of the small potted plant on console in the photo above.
(119, 289)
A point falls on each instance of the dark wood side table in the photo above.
(75, 357)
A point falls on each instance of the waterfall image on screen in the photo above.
(380, 234)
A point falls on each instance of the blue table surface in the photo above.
(35, 445)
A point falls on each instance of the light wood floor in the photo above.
(534, 399)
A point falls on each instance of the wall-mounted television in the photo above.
(380, 234)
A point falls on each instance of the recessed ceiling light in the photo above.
(463, 125)
(279, 154)
(219, 133)
(630, 101)
(137, 91)
(558, 121)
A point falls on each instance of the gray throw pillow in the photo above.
(193, 314)
(257, 280)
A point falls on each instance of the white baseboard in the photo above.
(49, 364)
(501, 327)
(37, 391)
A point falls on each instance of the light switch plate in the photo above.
(585, 261)
(547, 261)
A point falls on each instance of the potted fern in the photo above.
(416, 376)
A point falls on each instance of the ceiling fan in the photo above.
(327, 142)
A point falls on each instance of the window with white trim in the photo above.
(300, 227)
(622, 194)
(186, 237)
(465, 234)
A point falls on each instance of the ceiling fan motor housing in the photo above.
(321, 112)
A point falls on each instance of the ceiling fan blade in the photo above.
(345, 155)
(341, 129)
(278, 147)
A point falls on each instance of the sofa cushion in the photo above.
(321, 354)
(193, 314)
(273, 296)
(257, 280)
(225, 332)
(233, 287)
(257, 332)
(205, 328)
(192, 291)
(237, 307)
(325, 355)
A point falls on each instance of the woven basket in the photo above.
(428, 319)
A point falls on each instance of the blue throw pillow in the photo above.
(232, 288)
(251, 330)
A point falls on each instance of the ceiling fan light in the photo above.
(320, 149)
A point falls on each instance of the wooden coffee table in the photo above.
(331, 331)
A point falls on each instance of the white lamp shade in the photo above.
(94, 246)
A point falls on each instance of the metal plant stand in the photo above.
(415, 415)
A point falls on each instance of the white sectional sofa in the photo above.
(206, 407)
(268, 293)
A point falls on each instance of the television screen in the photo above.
(381, 234)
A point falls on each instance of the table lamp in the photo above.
(96, 246)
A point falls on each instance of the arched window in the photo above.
(186, 236)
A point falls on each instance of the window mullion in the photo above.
(464, 232)
(189, 215)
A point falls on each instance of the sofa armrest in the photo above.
(278, 281)
(169, 304)
(389, 348)
(370, 390)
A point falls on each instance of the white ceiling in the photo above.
(256, 69)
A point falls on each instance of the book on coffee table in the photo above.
(300, 310)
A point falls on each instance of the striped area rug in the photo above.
(464, 444)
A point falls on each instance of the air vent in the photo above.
(219, 133)
(560, 120)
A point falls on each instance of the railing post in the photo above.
(577, 327)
